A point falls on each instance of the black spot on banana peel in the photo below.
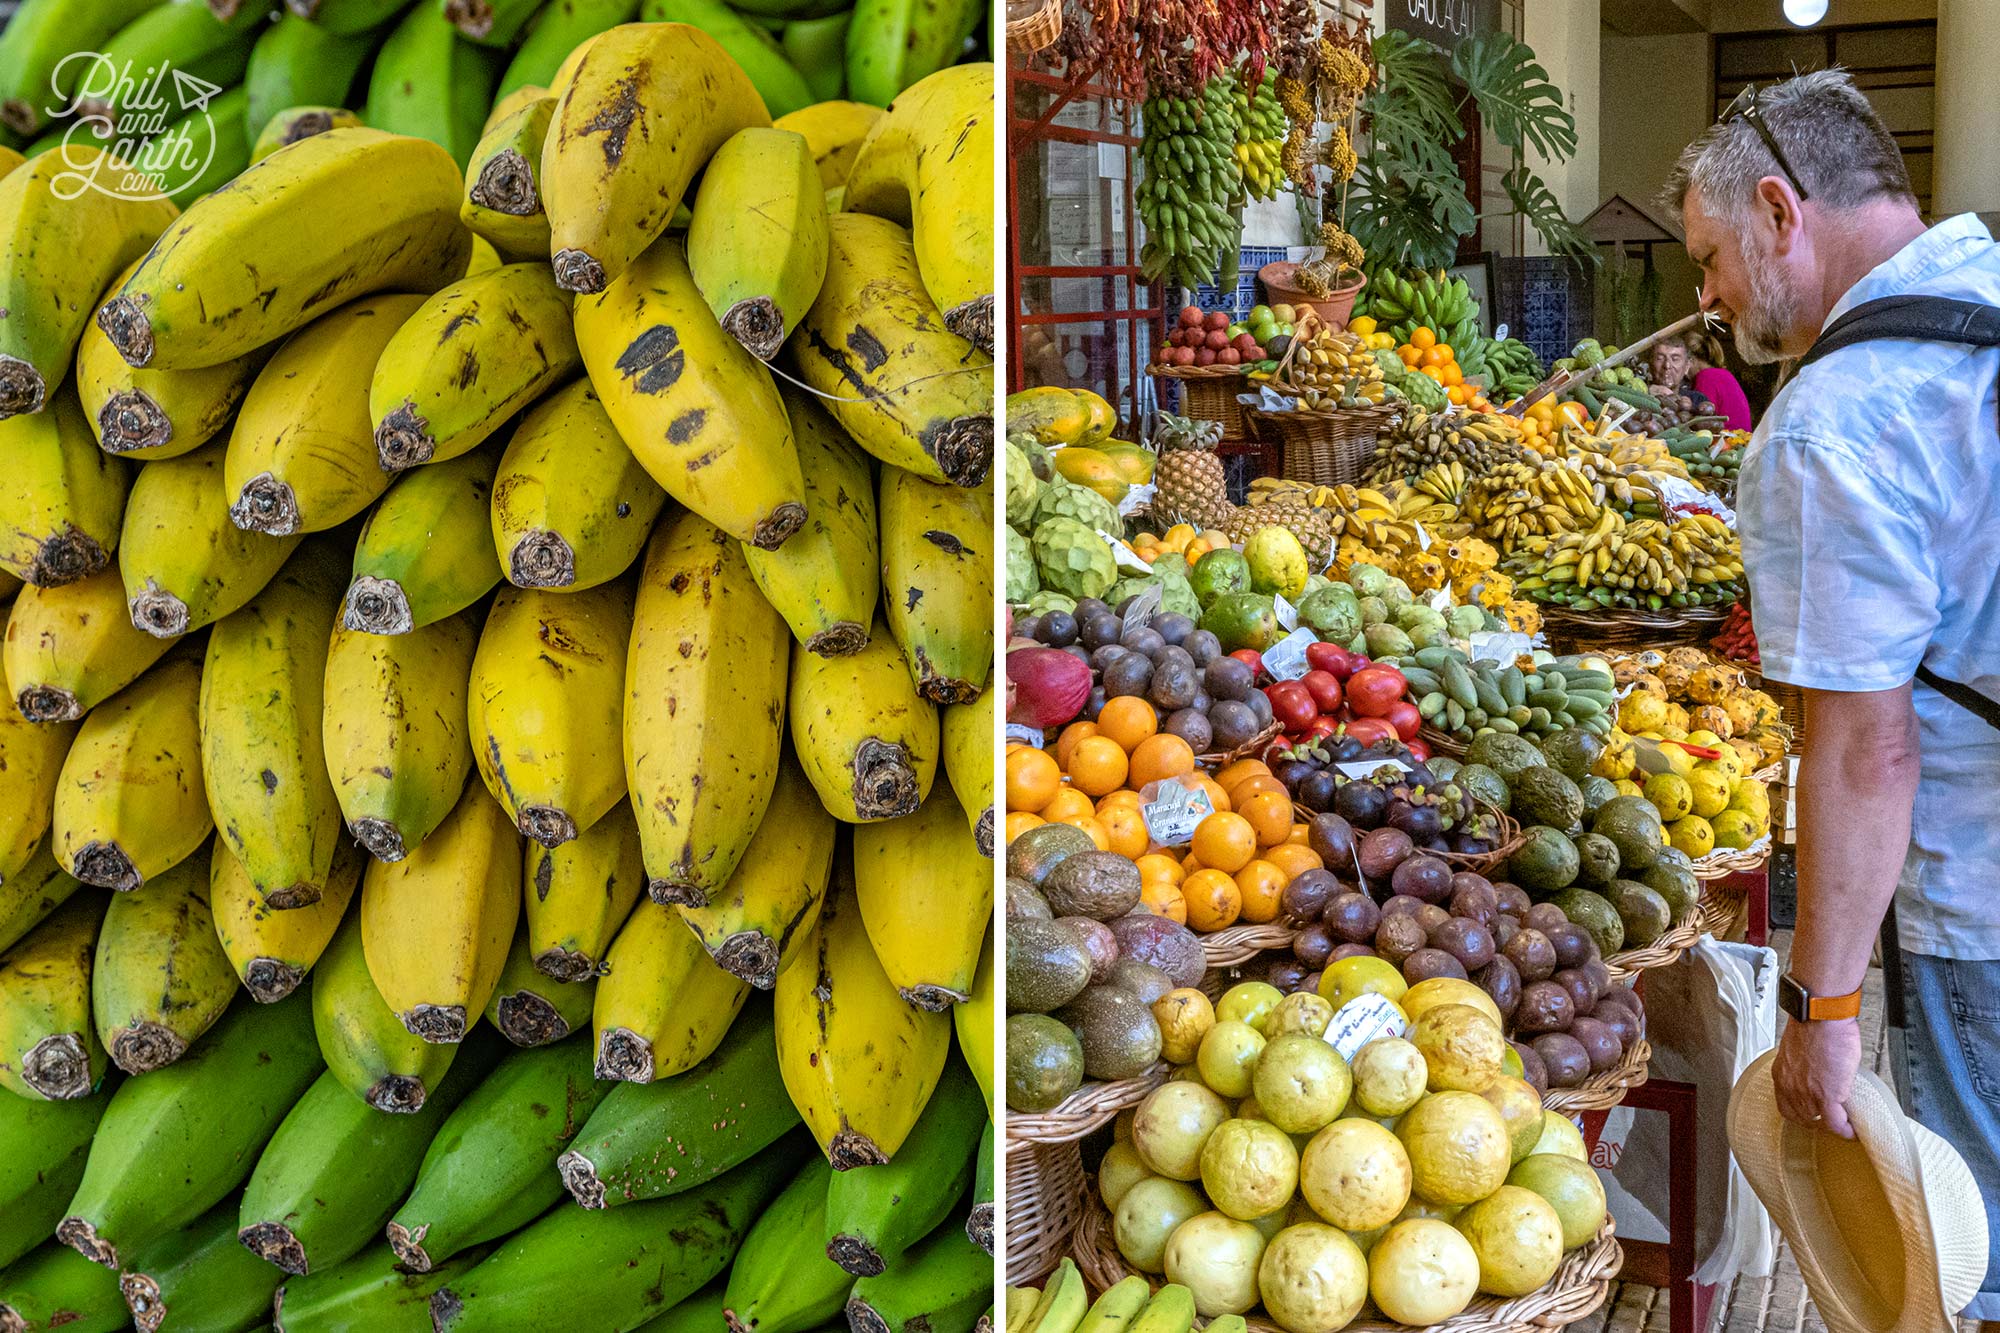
(129, 420)
(506, 184)
(305, 125)
(48, 703)
(274, 1243)
(653, 360)
(973, 321)
(21, 387)
(869, 348)
(58, 1067)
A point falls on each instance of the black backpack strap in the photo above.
(1920, 318)
(1963, 695)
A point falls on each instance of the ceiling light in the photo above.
(1805, 13)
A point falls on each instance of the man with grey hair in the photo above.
(1868, 499)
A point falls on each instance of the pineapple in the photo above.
(1187, 482)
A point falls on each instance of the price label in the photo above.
(1137, 498)
(1144, 607)
(1364, 768)
(1500, 334)
(1126, 558)
(1288, 615)
(1363, 1019)
(1423, 538)
(1499, 645)
(1441, 601)
(1174, 813)
(1286, 659)
(1027, 735)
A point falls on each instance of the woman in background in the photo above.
(1714, 381)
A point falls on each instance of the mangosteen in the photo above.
(1058, 629)
(1102, 658)
(1382, 850)
(1292, 772)
(1331, 838)
(1421, 822)
(1545, 1007)
(1362, 804)
(1573, 944)
(1532, 1069)
(1420, 876)
(1347, 749)
(1318, 790)
(1352, 917)
(1427, 963)
(1599, 1044)
(1306, 897)
(1313, 945)
(1563, 1056)
(1502, 985)
(1466, 940)
(1532, 954)
(1398, 936)
(1470, 844)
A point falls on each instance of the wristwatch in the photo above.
(1805, 1007)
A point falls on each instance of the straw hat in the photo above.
(1887, 1227)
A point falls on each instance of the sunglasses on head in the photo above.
(1744, 108)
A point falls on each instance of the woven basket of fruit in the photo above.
(1254, 746)
(1606, 1088)
(1501, 830)
(1722, 863)
(1323, 448)
(1610, 629)
(1045, 1193)
(1715, 914)
(1208, 393)
(1090, 1107)
(1579, 1286)
(1441, 742)
(1033, 25)
(1240, 944)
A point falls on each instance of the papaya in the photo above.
(1103, 417)
(1092, 470)
(1053, 416)
(1133, 462)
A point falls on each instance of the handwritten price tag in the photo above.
(1025, 734)
(1174, 813)
(1363, 1019)
(1286, 659)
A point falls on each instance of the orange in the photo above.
(1410, 355)
(1071, 734)
(1066, 804)
(1189, 864)
(1270, 814)
(1158, 865)
(1231, 774)
(1253, 786)
(1216, 795)
(1453, 376)
(1301, 834)
(1089, 824)
(1261, 888)
(1294, 858)
(1433, 372)
(1097, 765)
(1423, 337)
(1020, 822)
(1213, 900)
(1124, 830)
(1162, 756)
(1438, 355)
(1032, 778)
(1226, 841)
(1128, 719)
(1164, 898)
(1123, 796)
(1456, 393)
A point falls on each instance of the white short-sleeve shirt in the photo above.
(1869, 509)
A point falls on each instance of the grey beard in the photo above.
(1761, 329)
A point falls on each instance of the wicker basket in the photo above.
(1033, 25)
(1714, 915)
(1512, 835)
(1579, 1286)
(1618, 629)
(1045, 1197)
(1323, 448)
(1239, 944)
(1723, 864)
(1252, 747)
(1090, 1107)
(1208, 393)
(1601, 1092)
(1441, 742)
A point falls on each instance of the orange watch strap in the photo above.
(1833, 1008)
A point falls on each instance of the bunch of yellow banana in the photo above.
(1336, 370)
(1480, 440)
(1523, 499)
(1446, 482)
(1646, 555)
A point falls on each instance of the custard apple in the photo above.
(1072, 559)
(1176, 595)
(1062, 500)
(1024, 489)
(1036, 452)
(1048, 600)
(1022, 581)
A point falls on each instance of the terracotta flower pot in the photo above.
(1334, 308)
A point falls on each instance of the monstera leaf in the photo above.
(1515, 95)
(1533, 200)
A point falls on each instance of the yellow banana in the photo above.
(662, 1006)
(31, 893)
(31, 760)
(235, 271)
(910, 392)
(571, 505)
(704, 708)
(547, 706)
(262, 756)
(859, 1063)
(700, 413)
(302, 454)
(530, 1008)
(396, 742)
(69, 649)
(974, 1021)
(185, 564)
(757, 243)
(424, 552)
(580, 893)
(48, 1045)
(643, 110)
(513, 100)
(928, 164)
(294, 123)
(156, 413)
(270, 948)
(365, 1045)
(160, 977)
(865, 737)
(475, 354)
(755, 926)
(65, 232)
(834, 131)
(484, 258)
(926, 897)
(503, 194)
(937, 565)
(129, 805)
(967, 738)
(64, 500)
(436, 925)
(824, 580)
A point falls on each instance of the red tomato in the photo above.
(1323, 725)
(1405, 718)
(1372, 689)
(1291, 704)
(1420, 751)
(1328, 657)
(1324, 688)
(1369, 730)
(1251, 658)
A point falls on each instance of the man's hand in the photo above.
(1814, 1073)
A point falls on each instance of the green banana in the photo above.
(160, 978)
(215, 137)
(294, 123)
(643, 1259)
(190, 38)
(875, 1213)
(571, 505)
(937, 565)
(942, 1284)
(530, 1008)
(758, 238)
(472, 356)
(365, 1044)
(334, 1170)
(60, 516)
(579, 894)
(826, 577)
(347, 16)
(197, 1276)
(781, 86)
(699, 1313)
(425, 553)
(561, 28)
(503, 195)
(491, 1167)
(491, 22)
(296, 63)
(817, 48)
(174, 1143)
(397, 747)
(185, 564)
(721, 1112)
(273, 948)
(34, 81)
(1170, 1311)
(36, 890)
(431, 83)
(781, 1280)
(1118, 1306)
(263, 759)
(892, 44)
(54, 1287)
(31, 760)
(48, 1046)
(367, 1292)
(980, 1221)
(43, 1145)
(662, 1006)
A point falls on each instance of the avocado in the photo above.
(1218, 574)
(1044, 1062)
(1596, 860)
(1482, 784)
(1595, 914)
(1506, 755)
(1596, 791)
(1544, 796)
(1119, 1035)
(1024, 899)
(1241, 619)
(1645, 913)
(1096, 884)
(1044, 847)
(1675, 883)
(1443, 767)
(1544, 863)
(1047, 966)
(1633, 825)
(1572, 752)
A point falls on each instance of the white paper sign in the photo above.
(1680, 496)
(1174, 813)
(1027, 735)
(1126, 558)
(1423, 538)
(1499, 645)
(1362, 768)
(1288, 615)
(1500, 334)
(1286, 659)
(1363, 1019)
(1137, 498)
(1441, 601)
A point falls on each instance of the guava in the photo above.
(1355, 1174)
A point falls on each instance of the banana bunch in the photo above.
(1402, 304)
(1480, 440)
(1260, 135)
(1512, 367)
(1444, 482)
(1190, 186)
(1654, 563)
(1336, 370)
(1128, 1306)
